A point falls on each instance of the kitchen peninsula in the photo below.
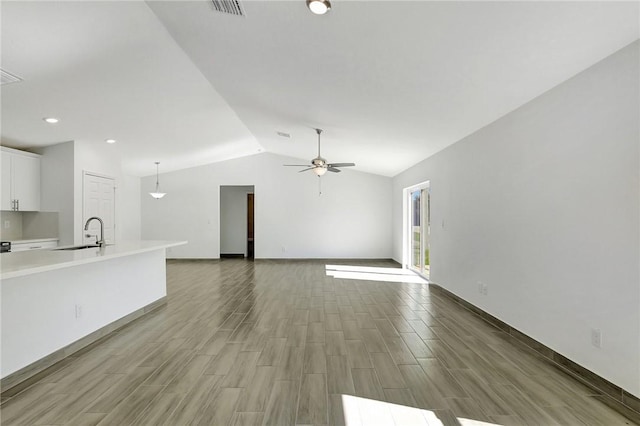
(55, 302)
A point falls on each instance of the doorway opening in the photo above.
(237, 236)
(250, 252)
(417, 228)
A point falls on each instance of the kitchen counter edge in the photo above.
(24, 263)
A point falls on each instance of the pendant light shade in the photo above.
(157, 194)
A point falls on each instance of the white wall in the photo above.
(543, 206)
(350, 220)
(62, 168)
(233, 219)
(104, 159)
(128, 216)
(57, 183)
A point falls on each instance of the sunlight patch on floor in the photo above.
(369, 273)
(370, 412)
(373, 269)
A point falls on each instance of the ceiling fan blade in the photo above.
(296, 165)
(304, 170)
(333, 169)
(341, 164)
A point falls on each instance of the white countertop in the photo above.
(34, 261)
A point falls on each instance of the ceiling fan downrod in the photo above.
(318, 131)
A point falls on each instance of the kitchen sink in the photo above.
(84, 246)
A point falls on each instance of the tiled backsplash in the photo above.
(10, 226)
(28, 225)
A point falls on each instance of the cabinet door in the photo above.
(26, 182)
(5, 195)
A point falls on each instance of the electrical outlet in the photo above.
(7, 224)
(78, 311)
(596, 337)
(483, 288)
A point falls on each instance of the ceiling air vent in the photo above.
(232, 7)
(7, 77)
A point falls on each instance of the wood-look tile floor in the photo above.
(282, 343)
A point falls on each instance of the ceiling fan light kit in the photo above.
(320, 171)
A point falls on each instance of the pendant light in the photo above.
(157, 194)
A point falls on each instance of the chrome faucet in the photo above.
(99, 242)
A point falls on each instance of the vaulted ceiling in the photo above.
(390, 82)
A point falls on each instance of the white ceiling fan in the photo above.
(319, 165)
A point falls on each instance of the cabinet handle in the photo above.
(35, 247)
(18, 205)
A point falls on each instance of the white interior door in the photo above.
(99, 200)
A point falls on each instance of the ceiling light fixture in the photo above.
(157, 194)
(319, 7)
(110, 140)
(320, 170)
(51, 120)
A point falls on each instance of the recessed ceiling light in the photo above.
(319, 7)
(110, 140)
(51, 120)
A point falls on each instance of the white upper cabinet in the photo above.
(7, 201)
(20, 180)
